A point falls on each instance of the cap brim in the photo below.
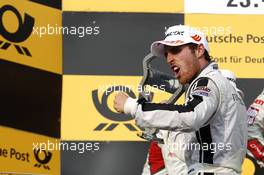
(157, 47)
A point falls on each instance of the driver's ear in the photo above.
(200, 50)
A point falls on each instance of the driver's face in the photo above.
(183, 62)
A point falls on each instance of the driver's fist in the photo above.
(119, 102)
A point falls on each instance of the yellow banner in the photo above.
(24, 153)
(248, 167)
(168, 6)
(236, 41)
(87, 107)
(30, 34)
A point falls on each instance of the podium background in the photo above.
(53, 86)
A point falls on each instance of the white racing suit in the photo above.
(162, 160)
(256, 129)
(214, 112)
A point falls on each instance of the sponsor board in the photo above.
(170, 6)
(119, 46)
(30, 99)
(116, 158)
(87, 107)
(28, 36)
(224, 6)
(118, 152)
(20, 153)
(235, 45)
(248, 167)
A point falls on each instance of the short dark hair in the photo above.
(177, 49)
(194, 46)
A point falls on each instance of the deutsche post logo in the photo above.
(24, 30)
(44, 161)
(104, 110)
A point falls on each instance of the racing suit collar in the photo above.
(211, 65)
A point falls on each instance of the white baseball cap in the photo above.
(232, 79)
(179, 35)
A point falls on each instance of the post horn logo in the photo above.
(42, 162)
(23, 32)
(104, 110)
